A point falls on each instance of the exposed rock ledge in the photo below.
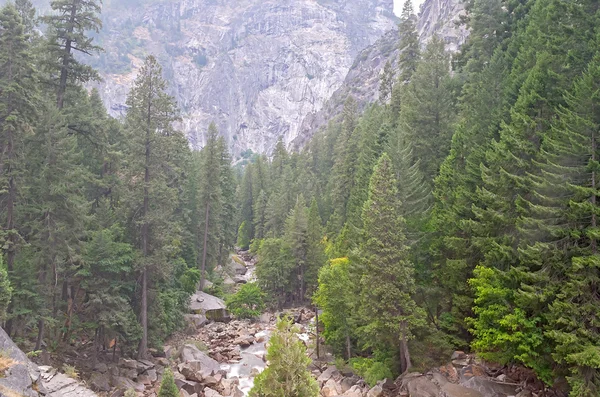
(24, 378)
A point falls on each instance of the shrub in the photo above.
(247, 302)
(168, 388)
(70, 371)
(370, 370)
(287, 373)
(5, 290)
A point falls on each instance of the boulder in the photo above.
(489, 387)
(348, 382)
(331, 389)
(354, 391)
(100, 381)
(422, 387)
(208, 392)
(453, 390)
(125, 384)
(125, 363)
(327, 374)
(236, 266)
(376, 391)
(195, 320)
(191, 354)
(22, 374)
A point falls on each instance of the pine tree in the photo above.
(18, 113)
(315, 252)
(296, 236)
(345, 155)
(68, 33)
(409, 42)
(387, 281)
(155, 154)
(274, 269)
(287, 373)
(168, 388)
(428, 108)
(56, 211)
(386, 83)
(209, 230)
(561, 274)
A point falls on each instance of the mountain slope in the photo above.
(437, 17)
(256, 68)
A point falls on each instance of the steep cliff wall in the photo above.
(255, 67)
(439, 17)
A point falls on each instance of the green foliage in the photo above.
(5, 290)
(243, 239)
(370, 370)
(273, 270)
(287, 373)
(336, 296)
(247, 302)
(168, 388)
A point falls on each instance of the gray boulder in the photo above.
(21, 374)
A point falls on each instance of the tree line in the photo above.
(459, 211)
(107, 226)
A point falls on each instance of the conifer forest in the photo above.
(458, 212)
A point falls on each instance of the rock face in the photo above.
(437, 17)
(254, 67)
(441, 17)
(21, 374)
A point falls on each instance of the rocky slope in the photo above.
(436, 17)
(255, 67)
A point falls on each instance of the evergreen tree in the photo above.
(18, 114)
(315, 251)
(287, 373)
(68, 33)
(409, 42)
(155, 154)
(428, 110)
(243, 236)
(209, 231)
(345, 155)
(387, 281)
(56, 212)
(274, 270)
(337, 298)
(168, 388)
(296, 236)
(386, 83)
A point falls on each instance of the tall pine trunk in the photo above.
(64, 70)
(143, 347)
(203, 270)
(405, 362)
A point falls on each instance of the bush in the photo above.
(287, 373)
(370, 370)
(168, 388)
(247, 302)
(5, 290)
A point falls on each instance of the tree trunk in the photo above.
(594, 243)
(203, 270)
(143, 347)
(11, 199)
(405, 362)
(348, 345)
(64, 70)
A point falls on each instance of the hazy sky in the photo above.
(398, 5)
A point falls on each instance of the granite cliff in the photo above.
(436, 17)
(254, 67)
